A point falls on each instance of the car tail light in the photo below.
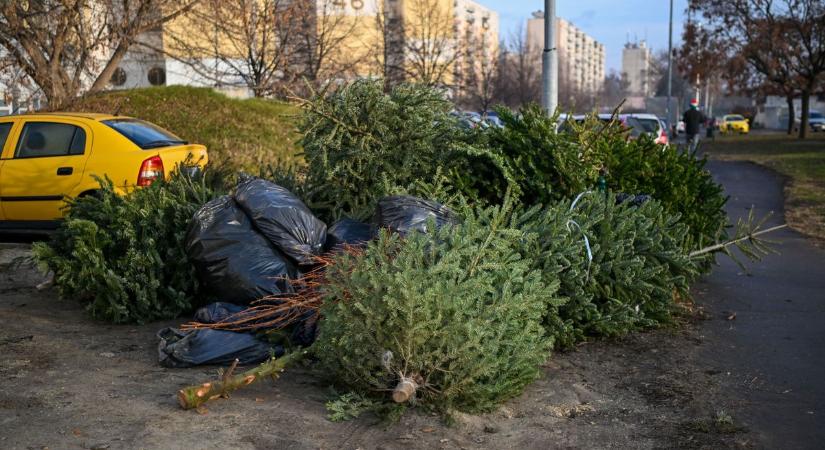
(150, 170)
(662, 138)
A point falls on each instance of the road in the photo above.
(771, 356)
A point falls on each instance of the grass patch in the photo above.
(802, 161)
(240, 134)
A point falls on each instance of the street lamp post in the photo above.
(549, 60)
(670, 64)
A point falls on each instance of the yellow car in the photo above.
(48, 158)
(734, 123)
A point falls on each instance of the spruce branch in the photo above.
(747, 239)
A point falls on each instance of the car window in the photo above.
(41, 139)
(144, 134)
(735, 118)
(648, 125)
(816, 115)
(5, 128)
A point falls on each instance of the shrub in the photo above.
(239, 134)
(124, 254)
(639, 265)
(459, 311)
(359, 141)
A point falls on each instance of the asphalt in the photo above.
(766, 333)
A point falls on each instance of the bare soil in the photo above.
(68, 382)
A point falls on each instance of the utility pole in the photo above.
(670, 66)
(549, 60)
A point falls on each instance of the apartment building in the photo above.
(477, 33)
(636, 60)
(581, 58)
(450, 39)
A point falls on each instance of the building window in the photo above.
(157, 76)
(118, 77)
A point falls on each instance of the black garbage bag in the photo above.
(216, 312)
(234, 262)
(404, 213)
(204, 346)
(635, 200)
(349, 232)
(282, 218)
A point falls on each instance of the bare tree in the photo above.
(243, 42)
(784, 40)
(614, 90)
(520, 75)
(69, 47)
(431, 48)
(323, 49)
(387, 50)
(478, 73)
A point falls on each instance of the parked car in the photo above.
(648, 124)
(734, 123)
(816, 121)
(637, 124)
(492, 118)
(48, 158)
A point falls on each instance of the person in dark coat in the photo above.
(693, 119)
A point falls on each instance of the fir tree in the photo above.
(450, 319)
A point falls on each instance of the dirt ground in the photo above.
(68, 382)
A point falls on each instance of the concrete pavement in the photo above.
(771, 356)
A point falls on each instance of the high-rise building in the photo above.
(419, 40)
(581, 58)
(476, 30)
(636, 59)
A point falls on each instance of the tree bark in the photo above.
(791, 118)
(195, 396)
(803, 115)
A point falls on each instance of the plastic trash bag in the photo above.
(282, 218)
(192, 348)
(349, 232)
(234, 262)
(403, 214)
(216, 312)
(302, 333)
(635, 200)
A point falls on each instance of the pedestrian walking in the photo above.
(693, 119)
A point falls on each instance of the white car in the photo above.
(816, 121)
(648, 124)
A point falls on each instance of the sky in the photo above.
(608, 21)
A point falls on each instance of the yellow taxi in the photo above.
(734, 123)
(48, 158)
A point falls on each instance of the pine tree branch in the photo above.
(727, 244)
(195, 396)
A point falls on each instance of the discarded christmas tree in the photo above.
(448, 320)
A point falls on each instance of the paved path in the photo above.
(771, 357)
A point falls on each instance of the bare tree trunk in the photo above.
(803, 116)
(791, 117)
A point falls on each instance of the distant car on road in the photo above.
(734, 123)
(816, 121)
(48, 158)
